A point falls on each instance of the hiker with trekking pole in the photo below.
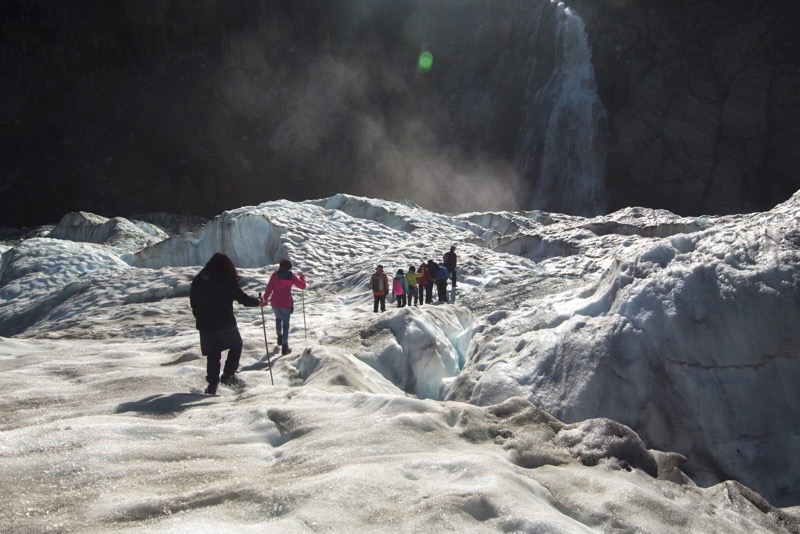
(279, 288)
(212, 294)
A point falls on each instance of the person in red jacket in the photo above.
(379, 283)
(280, 288)
(425, 284)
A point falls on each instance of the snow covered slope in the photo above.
(118, 232)
(683, 329)
(692, 339)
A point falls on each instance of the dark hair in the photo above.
(285, 264)
(412, 269)
(221, 267)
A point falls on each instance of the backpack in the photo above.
(398, 287)
(442, 274)
(377, 282)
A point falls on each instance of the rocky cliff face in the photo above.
(126, 107)
(702, 101)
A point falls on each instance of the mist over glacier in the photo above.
(635, 371)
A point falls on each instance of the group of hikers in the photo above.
(216, 286)
(415, 283)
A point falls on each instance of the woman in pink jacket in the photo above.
(280, 288)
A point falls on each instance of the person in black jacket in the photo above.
(213, 291)
(432, 270)
(450, 260)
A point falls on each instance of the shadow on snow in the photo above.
(164, 404)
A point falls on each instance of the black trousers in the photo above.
(442, 289)
(428, 293)
(212, 343)
(213, 364)
(401, 301)
(454, 277)
(380, 299)
(412, 292)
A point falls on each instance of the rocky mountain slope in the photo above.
(128, 107)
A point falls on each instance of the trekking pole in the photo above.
(264, 326)
(303, 298)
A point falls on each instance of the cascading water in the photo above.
(561, 146)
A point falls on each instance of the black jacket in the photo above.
(212, 302)
(450, 260)
(432, 270)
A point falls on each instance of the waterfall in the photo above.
(561, 147)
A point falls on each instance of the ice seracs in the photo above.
(119, 233)
(691, 339)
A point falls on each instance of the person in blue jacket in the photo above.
(442, 275)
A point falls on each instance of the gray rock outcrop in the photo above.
(701, 97)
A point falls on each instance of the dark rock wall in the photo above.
(195, 107)
(118, 107)
(702, 97)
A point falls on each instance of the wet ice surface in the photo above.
(659, 322)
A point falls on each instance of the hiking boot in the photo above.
(231, 380)
(285, 350)
(211, 389)
(280, 339)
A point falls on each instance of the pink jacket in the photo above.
(280, 287)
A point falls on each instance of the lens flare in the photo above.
(425, 61)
